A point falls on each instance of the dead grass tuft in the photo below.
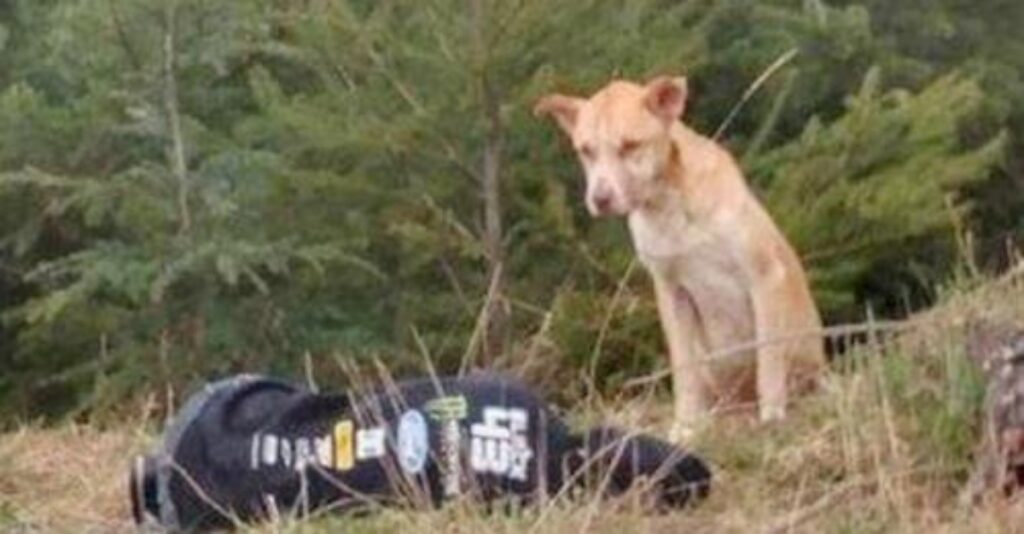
(70, 479)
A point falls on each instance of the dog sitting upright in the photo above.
(724, 274)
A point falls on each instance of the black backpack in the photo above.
(251, 448)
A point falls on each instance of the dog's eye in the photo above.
(586, 151)
(628, 147)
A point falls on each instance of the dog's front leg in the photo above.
(679, 322)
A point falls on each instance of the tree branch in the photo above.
(176, 152)
(490, 182)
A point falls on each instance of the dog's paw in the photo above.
(769, 414)
(682, 433)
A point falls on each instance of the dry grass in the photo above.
(884, 447)
(68, 479)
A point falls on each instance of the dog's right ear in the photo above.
(666, 97)
(564, 109)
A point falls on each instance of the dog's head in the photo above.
(622, 137)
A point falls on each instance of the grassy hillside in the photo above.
(885, 447)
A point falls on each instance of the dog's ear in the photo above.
(666, 97)
(564, 109)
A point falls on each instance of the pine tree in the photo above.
(873, 198)
(138, 253)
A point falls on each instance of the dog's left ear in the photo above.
(563, 108)
(666, 97)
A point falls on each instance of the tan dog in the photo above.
(724, 275)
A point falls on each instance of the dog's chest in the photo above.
(676, 248)
(703, 262)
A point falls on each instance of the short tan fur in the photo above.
(723, 272)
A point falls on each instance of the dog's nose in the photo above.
(603, 202)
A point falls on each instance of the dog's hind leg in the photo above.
(773, 310)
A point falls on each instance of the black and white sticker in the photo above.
(268, 450)
(499, 444)
(448, 412)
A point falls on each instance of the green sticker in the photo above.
(451, 408)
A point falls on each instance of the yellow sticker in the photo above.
(343, 445)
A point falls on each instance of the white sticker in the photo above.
(370, 443)
(499, 444)
(269, 449)
(324, 450)
(303, 453)
(286, 452)
(413, 445)
(254, 452)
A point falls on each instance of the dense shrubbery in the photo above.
(195, 187)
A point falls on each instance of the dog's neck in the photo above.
(676, 177)
(696, 178)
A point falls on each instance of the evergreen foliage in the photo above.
(194, 187)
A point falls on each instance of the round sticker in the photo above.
(413, 445)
